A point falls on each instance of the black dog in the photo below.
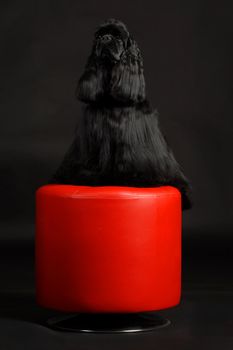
(118, 141)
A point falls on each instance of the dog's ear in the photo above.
(90, 85)
(127, 81)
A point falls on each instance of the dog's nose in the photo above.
(106, 38)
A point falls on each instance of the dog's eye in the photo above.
(118, 37)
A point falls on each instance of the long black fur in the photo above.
(118, 140)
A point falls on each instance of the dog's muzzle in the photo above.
(107, 47)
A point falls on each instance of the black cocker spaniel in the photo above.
(118, 141)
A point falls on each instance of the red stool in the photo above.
(108, 252)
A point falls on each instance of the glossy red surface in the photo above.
(108, 249)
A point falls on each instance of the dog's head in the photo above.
(114, 68)
(111, 40)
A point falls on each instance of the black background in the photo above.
(187, 48)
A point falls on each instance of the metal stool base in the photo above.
(108, 322)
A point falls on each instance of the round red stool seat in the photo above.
(108, 249)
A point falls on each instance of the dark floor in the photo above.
(203, 320)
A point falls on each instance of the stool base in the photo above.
(108, 322)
